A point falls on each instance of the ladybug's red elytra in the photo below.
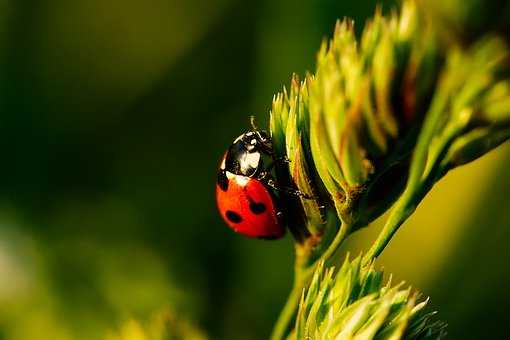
(244, 188)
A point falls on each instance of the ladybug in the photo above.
(245, 188)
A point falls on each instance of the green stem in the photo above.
(404, 207)
(333, 247)
(287, 314)
(424, 177)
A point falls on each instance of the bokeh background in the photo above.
(114, 115)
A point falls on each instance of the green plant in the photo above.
(376, 126)
(353, 304)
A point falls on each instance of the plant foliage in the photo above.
(378, 124)
(353, 303)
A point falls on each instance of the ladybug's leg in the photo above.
(271, 165)
(269, 181)
(283, 159)
(265, 143)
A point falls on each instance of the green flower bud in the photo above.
(353, 303)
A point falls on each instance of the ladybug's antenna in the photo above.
(252, 123)
(261, 135)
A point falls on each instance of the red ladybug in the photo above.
(244, 188)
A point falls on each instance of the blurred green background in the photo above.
(113, 117)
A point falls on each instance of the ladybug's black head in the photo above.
(244, 156)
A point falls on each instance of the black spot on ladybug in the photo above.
(257, 208)
(222, 180)
(233, 217)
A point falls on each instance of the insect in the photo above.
(245, 188)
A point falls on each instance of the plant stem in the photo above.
(419, 181)
(397, 216)
(337, 241)
(404, 207)
(417, 189)
(286, 315)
